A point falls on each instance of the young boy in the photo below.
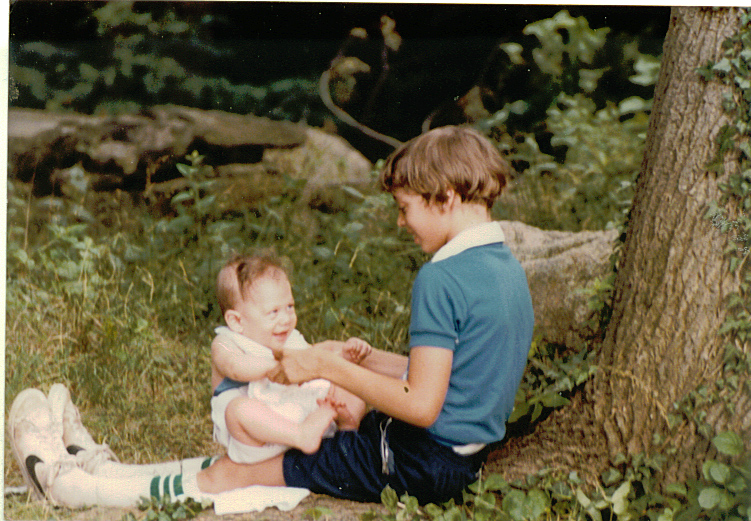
(470, 332)
(256, 419)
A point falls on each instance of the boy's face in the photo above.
(425, 221)
(267, 314)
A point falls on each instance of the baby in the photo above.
(253, 417)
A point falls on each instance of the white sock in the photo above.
(121, 470)
(75, 488)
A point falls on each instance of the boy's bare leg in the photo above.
(253, 423)
(225, 475)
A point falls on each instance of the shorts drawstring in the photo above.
(387, 457)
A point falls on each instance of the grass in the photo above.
(123, 314)
(118, 304)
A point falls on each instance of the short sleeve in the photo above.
(435, 310)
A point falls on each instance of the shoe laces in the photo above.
(90, 459)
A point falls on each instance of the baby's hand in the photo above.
(356, 350)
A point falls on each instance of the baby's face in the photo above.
(267, 315)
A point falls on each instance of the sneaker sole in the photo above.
(15, 410)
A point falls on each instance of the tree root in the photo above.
(569, 440)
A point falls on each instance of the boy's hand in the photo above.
(276, 374)
(303, 365)
(356, 350)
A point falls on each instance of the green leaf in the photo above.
(519, 410)
(486, 501)
(536, 503)
(495, 482)
(728, 443)
(666, 515)
(584, 501)
(181, 197)
(727, 501)
(389, 498)
(679, 489)
(185, 170)
(710, 497)
(410, 503)
(611, 477)
(719, 473)
(620, 498)
(513, 504)
(738, 485)
(722, 66)
(554, 400)
(537, 411)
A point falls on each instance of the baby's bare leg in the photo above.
(253, 423)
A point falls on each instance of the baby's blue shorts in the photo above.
(357, 465)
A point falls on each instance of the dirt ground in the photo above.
(314, 507)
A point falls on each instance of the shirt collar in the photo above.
(478, 235)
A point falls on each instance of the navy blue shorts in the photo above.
(353, 465)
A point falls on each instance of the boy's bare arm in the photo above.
(386, 363)
(232, 363)
(377, 360)
(417, 400)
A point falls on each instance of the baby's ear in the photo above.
(232, 318)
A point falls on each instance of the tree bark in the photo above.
(670, 292)
(671, 288)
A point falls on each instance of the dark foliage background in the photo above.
(446, 49)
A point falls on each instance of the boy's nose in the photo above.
(400, 222)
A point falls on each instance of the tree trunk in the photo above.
(662, 343)
(671, 288)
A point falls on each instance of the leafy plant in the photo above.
(195, 203)
(165, 509)
(552, 375)
(733, 70)
(577, 165)
(146, 55)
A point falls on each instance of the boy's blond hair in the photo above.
(456, 158)
(239, 273)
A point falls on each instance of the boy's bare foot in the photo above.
(314, 427)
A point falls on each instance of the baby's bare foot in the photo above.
(313, 428)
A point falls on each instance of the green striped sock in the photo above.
(172, 485)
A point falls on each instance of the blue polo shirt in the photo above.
(473, 298)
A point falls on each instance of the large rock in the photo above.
(134, 152)
(558, 266)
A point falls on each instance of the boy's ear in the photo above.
(451, 198)
(232, 318)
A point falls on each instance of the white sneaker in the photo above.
(77, 439)
(33, 440)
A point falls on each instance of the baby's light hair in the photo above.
(456, 158)
(239, 273)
